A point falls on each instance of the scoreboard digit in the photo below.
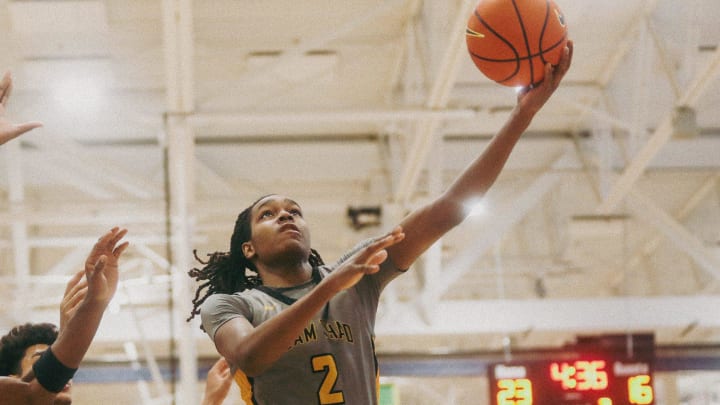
(517, 391)
(640, 390)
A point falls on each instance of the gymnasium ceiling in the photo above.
(605, 220)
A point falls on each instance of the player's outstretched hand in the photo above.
(219, 380)
(101, 266)
(9, 130)
(365, 261)
(532, 99)
(75, 292)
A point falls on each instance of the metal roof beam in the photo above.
(659, 138)
(501, 223)
(674, 231)
(96, 169)
(652, 244)
(437, 100)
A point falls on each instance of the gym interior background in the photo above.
(169, 117)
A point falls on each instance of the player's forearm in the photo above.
(269, 341)
(482, 173)
(74, 340)
(213, 399)
(427, 224)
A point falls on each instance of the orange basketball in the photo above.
(510, 41)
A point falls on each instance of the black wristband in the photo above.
(52, 374)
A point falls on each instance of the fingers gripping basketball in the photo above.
(510, 41)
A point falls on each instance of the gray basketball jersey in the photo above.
(332, 362)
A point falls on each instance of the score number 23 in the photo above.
(514, 391)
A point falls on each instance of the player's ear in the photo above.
(248, 250)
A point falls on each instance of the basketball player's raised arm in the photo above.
(83, 320)
(101, 273)
(427, 224)
(8, 129)
(254, 349)
(218, 383)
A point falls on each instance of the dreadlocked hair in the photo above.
(231, 272)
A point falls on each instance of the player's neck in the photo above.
(286, 276)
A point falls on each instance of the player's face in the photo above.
(32, 354)
(279, 230)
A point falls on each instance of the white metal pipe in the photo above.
(660, 137)
(651, 245)
(638, 109)
(437, 99)
(501, 224)
(18, 225)
(245, 119)
(674, 231)
(181, 156)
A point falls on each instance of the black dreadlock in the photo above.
(230, 272)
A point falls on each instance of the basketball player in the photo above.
(301, 332)
(8, 130)
(37, 362)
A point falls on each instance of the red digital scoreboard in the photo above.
(582, 375)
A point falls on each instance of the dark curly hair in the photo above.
(16, 342)
(230, 272)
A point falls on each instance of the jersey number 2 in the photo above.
(327, 394)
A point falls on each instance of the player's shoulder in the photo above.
(219, 299)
